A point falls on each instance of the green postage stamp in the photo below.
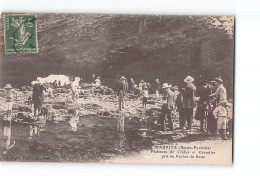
(20, 33)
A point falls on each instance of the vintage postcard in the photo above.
(111, 88)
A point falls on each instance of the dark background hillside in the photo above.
(143, 47)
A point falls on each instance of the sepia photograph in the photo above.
(117, 88)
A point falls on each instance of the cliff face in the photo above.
(145, 47)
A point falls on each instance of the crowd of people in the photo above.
(211, 106)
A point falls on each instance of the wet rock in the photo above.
(86, 86)
(22, 108)
(61, 90)
(153, 112)
(59, 107)
(151, 102)
(106, 113)
(108, 91)
(71, 111)
(22, 115)
(98, 90)
(58, 118)
(61, 103)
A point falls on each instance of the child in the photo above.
(50, 91)
(9, 97)
(220, 113)
(145, 96)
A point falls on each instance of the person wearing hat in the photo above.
(98, 81)
(137, 91)
(221, 93)
(38, 96)
(122, 90)
(220, 114)
(188, 93)
(211, 121)
(180, 109)
(176, 93)
(10, 93)
(145, 94)
(167, 107)
(141, 84)
(203, 105)
(74, 88)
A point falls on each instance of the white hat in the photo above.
(165, 85)
(77, 78)
(123, 78)
(224, 102)
(188, 79)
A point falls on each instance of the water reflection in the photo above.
(120, 132)
(74, 120)
(143, 120)
(99, 137)
(8, 141)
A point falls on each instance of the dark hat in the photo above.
(218, 79)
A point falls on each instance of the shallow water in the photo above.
(79, 139)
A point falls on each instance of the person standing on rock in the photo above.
(131, 86)
(188, 93)
(157, 88)
(122, 90)
(74, 88)
(220, 114)
(9, 97)
(167, 107)
(145, 94)
(98, 81)
(211, 121)
(221, 93)
(38, 96)
(180, 109)
(203, 105)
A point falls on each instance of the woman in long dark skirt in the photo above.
(203, 106)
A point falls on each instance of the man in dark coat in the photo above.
(122, 90)
(188, 93)
(203, 105)
(37, 96)
(180, 109)
(131, 86)
(167, 107)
